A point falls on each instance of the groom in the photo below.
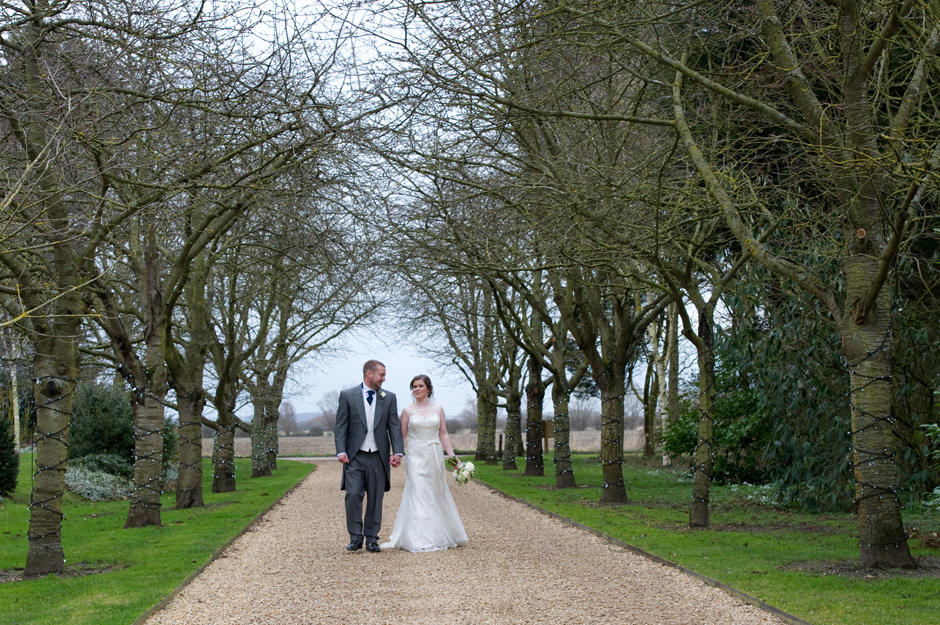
(366, 422)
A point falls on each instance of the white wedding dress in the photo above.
(427, 518)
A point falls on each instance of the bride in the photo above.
(427, 518)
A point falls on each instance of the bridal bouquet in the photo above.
(463, 471)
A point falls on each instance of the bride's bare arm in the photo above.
(404, 424)
(445, 437)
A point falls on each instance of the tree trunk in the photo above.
(55, 374)
(513, 427)
(272, 443)
(187, 375)
(654, 382)
(486, 426)
(867, 348)
(662, 366)
(650, 400)
(615, 490)
(189, 482)
(223, 457)
(55, 371)
(272, 416)
(260, 466)
(55, 364)
(564, 472)
(148, 462)
(702, 467)
(535, 398)
(492, 409)
(482, 415)
(15, 405)
(672, 349)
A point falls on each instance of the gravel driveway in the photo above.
(521, 566)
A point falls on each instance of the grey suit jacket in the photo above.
(351, 429)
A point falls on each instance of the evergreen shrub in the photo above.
(933, 432)
(103, 427)
(102, 422)
(740, 435)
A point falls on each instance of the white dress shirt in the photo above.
(369, 443)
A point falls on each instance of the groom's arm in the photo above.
(394, 429)
(342, 426)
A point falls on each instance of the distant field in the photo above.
(323, 445)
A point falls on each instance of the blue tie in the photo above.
(369, 398)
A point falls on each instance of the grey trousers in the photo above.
(365, 477)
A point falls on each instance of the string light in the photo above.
(147, 493)
(58, 436)
(224, 465)
(562, 446)
(189, 466)
(867, 421)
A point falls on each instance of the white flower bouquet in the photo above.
(463, 471)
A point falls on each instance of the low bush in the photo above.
(97, 485)
(105, 463)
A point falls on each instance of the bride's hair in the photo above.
(427, 383)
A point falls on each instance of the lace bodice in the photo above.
(424, 423)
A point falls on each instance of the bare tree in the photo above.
(583, 413)
(466, 419)
(328, 405)
(857, 106)
(288, 419)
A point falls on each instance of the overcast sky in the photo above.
(402, 362)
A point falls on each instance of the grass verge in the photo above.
(804, 564)
(141, 565)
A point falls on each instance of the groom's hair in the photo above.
(371, 365)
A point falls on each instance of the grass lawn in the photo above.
(751, 545)
(145, 564)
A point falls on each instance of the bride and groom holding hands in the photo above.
(370, 437)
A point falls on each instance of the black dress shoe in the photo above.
(354, 545)
(373, 547)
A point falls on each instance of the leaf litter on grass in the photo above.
(80, 569)
(928, 566)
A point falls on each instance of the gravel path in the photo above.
(521, 566)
